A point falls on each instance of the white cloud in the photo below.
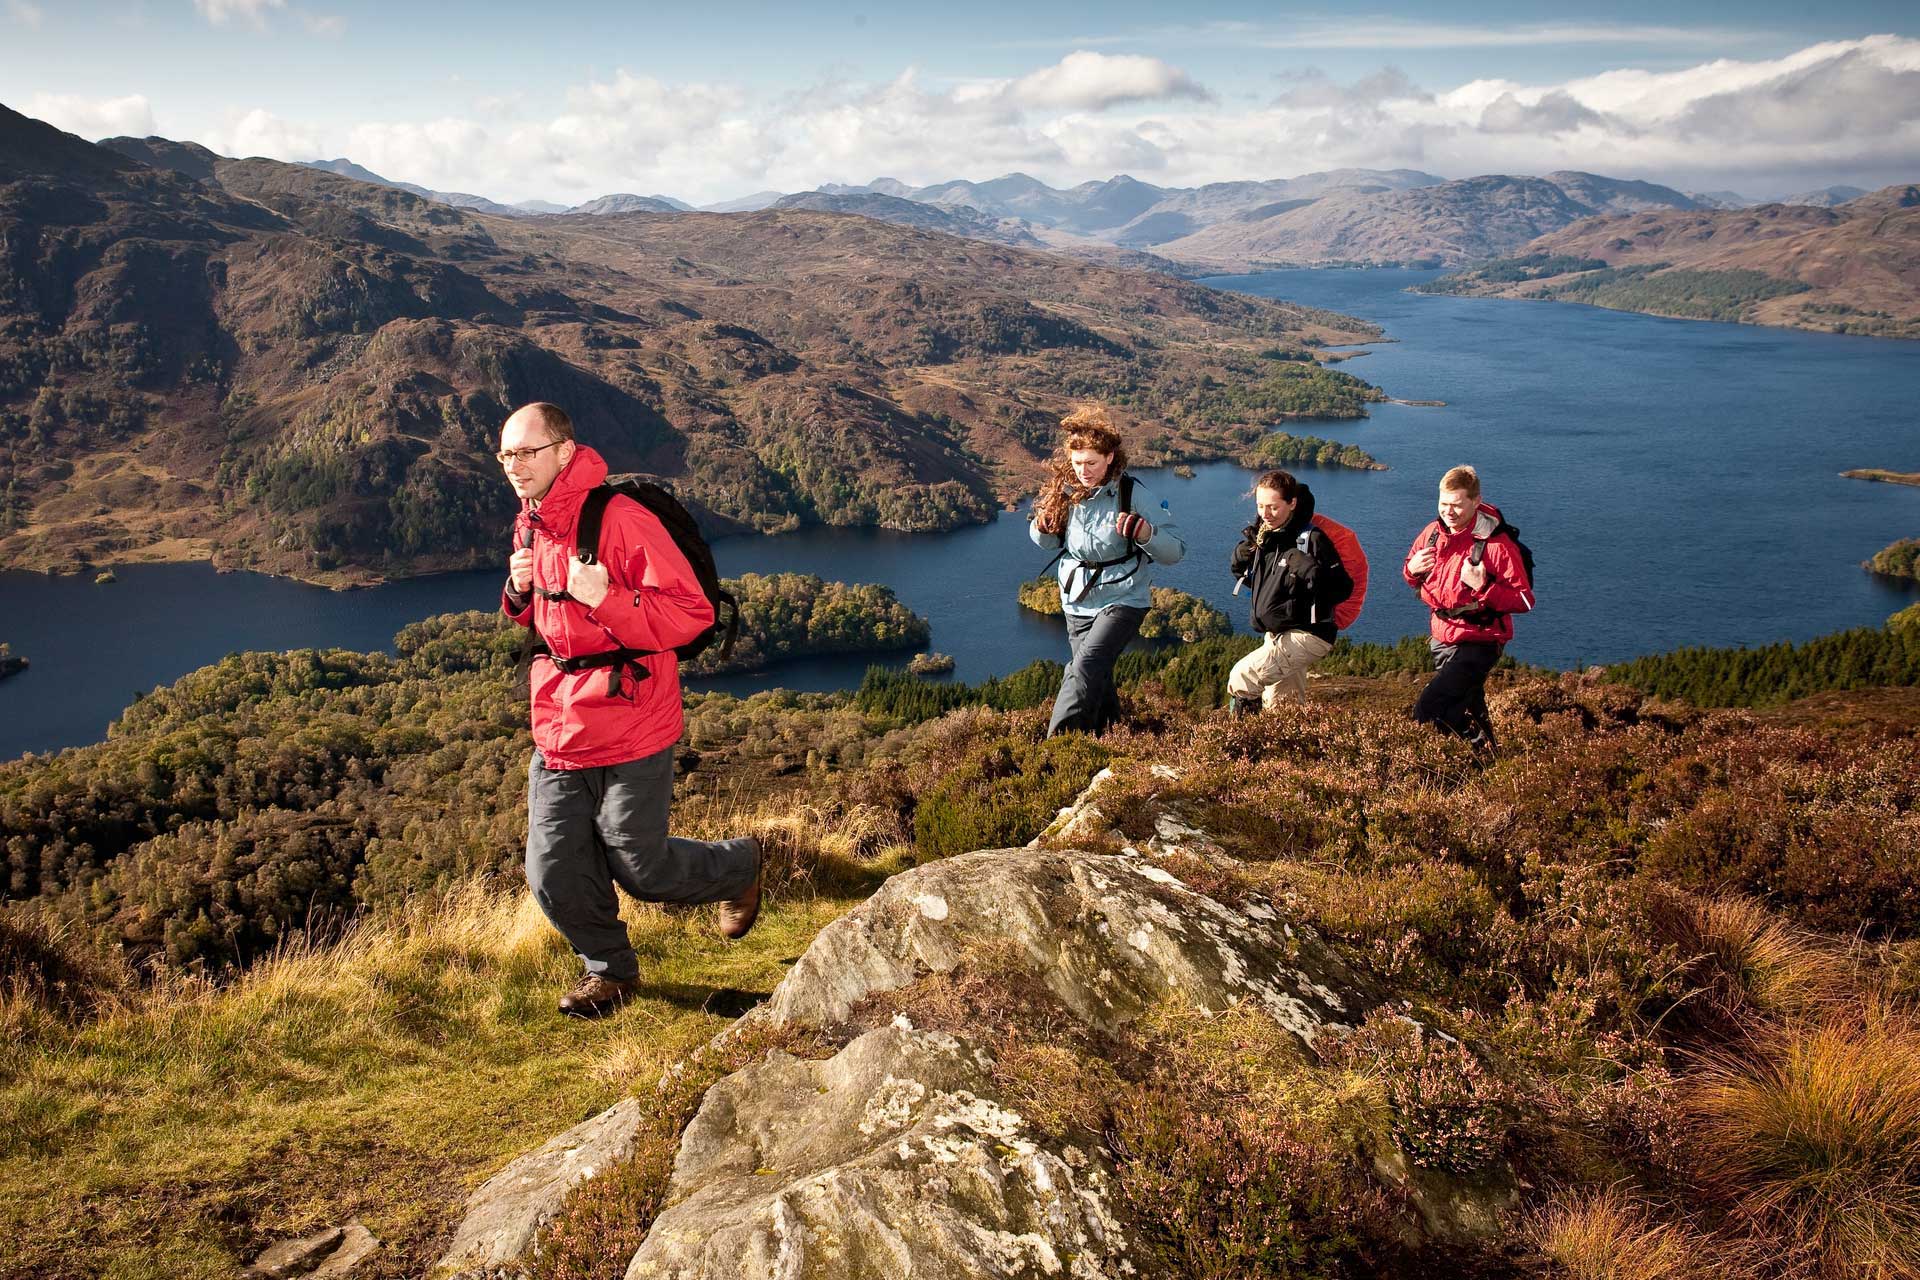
(27, 15)
(1826, 111)
(1092, 81)
(251, 13)
(94, 118)
(1555, 112)
(261, 133)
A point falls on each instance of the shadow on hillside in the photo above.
(728, 1002)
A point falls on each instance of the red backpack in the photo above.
(1354, 559)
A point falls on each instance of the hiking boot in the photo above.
(738, 914)
(1237, 707)
(596, 994)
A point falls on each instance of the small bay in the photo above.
(1678, 482)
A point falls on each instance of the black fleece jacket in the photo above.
(1294, 589)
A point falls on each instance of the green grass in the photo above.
(384, 1077)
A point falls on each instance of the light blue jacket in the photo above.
(1091, 537)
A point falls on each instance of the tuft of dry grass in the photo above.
(809, 846)
(1610, 1235)
(1762, 961)
(1813, 1137)
(49, 977)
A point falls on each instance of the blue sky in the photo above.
(706, 101)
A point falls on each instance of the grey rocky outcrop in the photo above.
(892, 1158)
(1109, 935)
(896, 1156)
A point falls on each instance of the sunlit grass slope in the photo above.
(183, 1128)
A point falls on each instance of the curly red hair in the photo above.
(1087, 427)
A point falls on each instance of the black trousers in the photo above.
(1456, 698)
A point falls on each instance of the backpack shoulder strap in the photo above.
(587, 532)
(1480, 540)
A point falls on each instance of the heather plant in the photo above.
(1004, 793)
(1828, 828)
(1449, 1111)
(1236, 1158)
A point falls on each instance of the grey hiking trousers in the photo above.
(590, 829)
(1087, 701)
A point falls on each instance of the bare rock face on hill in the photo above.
(506, 1213)
(1108, 935)
(892, 1158)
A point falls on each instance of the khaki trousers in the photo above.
(1278, 665)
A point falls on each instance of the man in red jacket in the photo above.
(601, 779)
(1471, 576)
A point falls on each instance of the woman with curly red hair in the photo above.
(1090, 511)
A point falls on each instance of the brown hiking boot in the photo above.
(595, 994)
(738, 914)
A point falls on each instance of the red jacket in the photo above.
(653, 602)
(1507, 591)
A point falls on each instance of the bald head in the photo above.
(549, 418)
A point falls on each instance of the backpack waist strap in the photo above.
(614, 660)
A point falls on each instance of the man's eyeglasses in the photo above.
(508, 457)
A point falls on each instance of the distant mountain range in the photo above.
(1439, 224)
(278, 367)
(1363, 216)
(618, 203)
(1826, 197)
(959, 220)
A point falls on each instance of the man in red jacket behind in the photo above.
(601, 779)
(1471, 576)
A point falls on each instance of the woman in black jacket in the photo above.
(1297, 578)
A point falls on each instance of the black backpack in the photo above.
(680, 526)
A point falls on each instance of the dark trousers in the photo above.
(1088, 701)
(1456, 697)
(590, 829)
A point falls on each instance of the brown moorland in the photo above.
(1854, 268)
(282, 369)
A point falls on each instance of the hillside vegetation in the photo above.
(1667, 942)
(1847, 269)
(1899, 559)
(279, 368)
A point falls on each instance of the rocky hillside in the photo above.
(284, 369)
(1301, 995)
(1853, 268)
(1446, 224)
